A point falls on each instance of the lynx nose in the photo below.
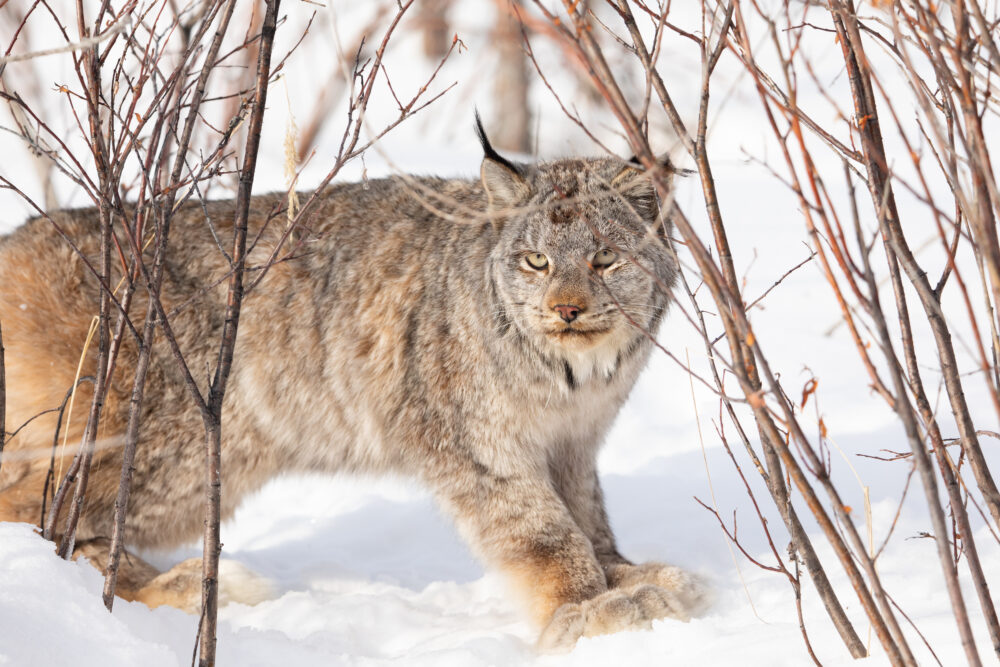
(567, 312)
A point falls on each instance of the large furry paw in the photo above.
(690, 591)
(631, 608)
(180, 586)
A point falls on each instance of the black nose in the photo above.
(567, 312)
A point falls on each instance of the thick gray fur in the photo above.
(408, 336)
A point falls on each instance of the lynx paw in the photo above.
(632, 608)
(180, 586)
(690, 591)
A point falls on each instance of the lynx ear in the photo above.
(504, 184)
(503, 180)
(632, 183)
(632, 180)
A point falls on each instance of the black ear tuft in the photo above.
(489, 152)
(503, 181)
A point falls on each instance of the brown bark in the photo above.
(774, 477)
(91, 77)
(884, 203)
(128, 457)
(212, 413)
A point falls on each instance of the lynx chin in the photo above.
(480, 335)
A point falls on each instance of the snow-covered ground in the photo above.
(369, 572)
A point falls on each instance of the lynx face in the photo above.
(581, 265)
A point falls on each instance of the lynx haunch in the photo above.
(481, 335)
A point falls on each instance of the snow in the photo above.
(368, 572)
(371, 574)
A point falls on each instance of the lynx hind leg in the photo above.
(180, 586)
(638, 595)
(133, 572)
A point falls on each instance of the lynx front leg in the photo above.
(689, 593)
(574, 475)
(519, 524)
(656, 589)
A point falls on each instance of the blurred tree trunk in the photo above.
(513, 122)
(433, 23)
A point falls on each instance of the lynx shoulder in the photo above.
(481, 335)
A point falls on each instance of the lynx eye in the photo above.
(602, 259)
(536, 260)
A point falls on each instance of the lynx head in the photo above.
(581, 263)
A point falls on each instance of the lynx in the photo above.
(480, 335)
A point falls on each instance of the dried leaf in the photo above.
(808, 390)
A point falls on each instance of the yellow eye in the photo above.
(602, 259)
(536, 260)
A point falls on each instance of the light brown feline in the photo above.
(479, 335)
